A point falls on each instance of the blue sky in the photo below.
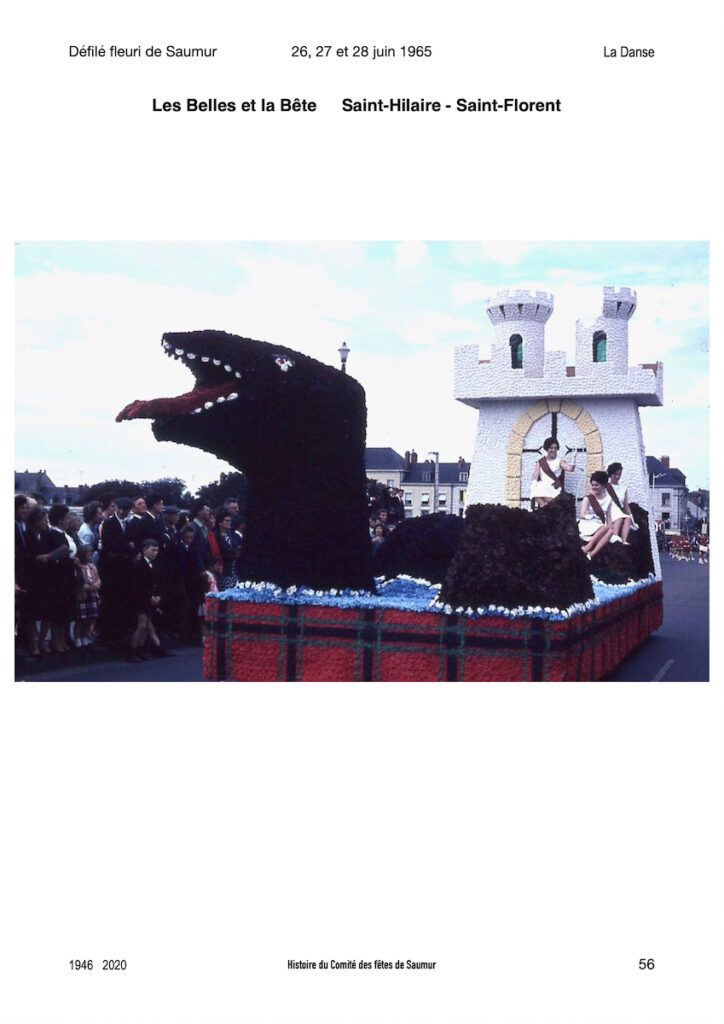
(91, 314)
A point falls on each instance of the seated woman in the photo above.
(622, 521)
(594, 526)
(549, 474)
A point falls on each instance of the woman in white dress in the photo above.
(594, 526)
(549, 474)
(622, 521)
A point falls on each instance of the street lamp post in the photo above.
(343, 353)
(436, 483)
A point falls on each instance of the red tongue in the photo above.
(180, 406)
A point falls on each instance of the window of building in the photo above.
(390, 483)
(461, 497)
(666, 518)
(665, 499)
(426, 477)
(463, 478)
(442, 499)
(516, 351)
(425, 498)
(408, 497)
(599, 347)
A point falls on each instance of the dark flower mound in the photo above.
(422, 548)
(618, 563)
(512, 557)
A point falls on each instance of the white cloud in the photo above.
(410, 404)
(465, 293)
(410, 255)
(437, 328)
(506, 253)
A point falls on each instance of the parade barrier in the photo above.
(265, 641)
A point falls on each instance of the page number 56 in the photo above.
(646, 965)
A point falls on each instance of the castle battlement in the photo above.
(519, 304)
(619, 302)
(520, 367)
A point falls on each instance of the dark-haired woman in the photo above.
(594, 526)
(228, 547)
(622, 521)
(379, 539)
(549, 474)
(46, 551)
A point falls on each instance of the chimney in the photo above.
(413, 457)
(461, 463)
(407, 460)
(665, 460)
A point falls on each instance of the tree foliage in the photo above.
(172, 490)
(229, 485)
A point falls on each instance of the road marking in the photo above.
(662, 671)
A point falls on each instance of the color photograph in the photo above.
(362, 461)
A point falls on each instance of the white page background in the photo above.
(535, 841)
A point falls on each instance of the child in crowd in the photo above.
(87, 598)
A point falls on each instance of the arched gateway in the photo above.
(574, 429)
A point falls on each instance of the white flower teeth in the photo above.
(220, 399)
(232, 396)
(208, 405)
(190, 355)
(204, 359)
(179, 351)
(228, 369)
(216, 362)
(167, 345)
(237, 374)
(197, 410)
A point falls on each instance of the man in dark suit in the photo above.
(117, 553)
(22, 511)
(192, 579)
(143, 524)
(168, 570)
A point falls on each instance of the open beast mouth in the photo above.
(216, 382)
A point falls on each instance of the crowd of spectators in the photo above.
(130, 573)
(386, 510)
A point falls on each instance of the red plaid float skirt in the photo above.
(246, 641)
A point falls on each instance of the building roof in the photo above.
(663, 476)
(377, 459)
(449, 473)
(25, 482)
(699, 497)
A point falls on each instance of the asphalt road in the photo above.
(100, 667)
(678, 652)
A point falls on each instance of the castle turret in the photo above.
(602, 344)
(519, 319)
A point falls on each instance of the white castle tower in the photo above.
(524, 394)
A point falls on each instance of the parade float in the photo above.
(507, 595)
